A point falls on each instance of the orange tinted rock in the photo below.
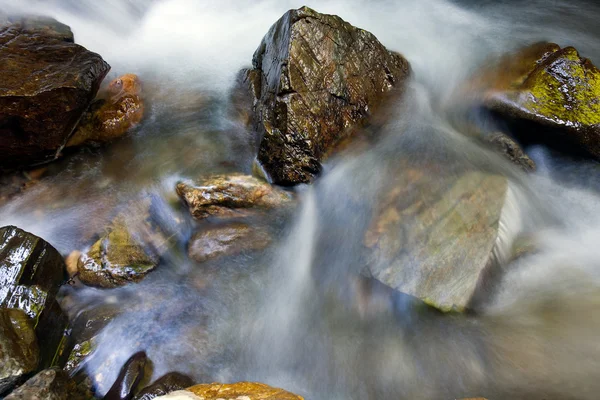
(245, 390)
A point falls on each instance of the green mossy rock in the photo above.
(31, 272)
(19, 351)
(554, 88)
(315, 76)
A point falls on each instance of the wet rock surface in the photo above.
(506, 146)
(227, 239)
(50, 384)
(47, 84)
(31, 272)
(230, 195)
(434, 238)
(549, 93)
(314, 77)
(111, 118)
(116, 259)
(19, 351)
(234, 391)
(130, 376)
(166, 384)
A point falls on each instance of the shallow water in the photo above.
(270, 317)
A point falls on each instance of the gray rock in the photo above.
(50, 384)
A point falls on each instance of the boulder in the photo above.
(166, 384)
(314, 77)
(434, 235)
(31, 272)
(130, 376)
(109, 119)
(506, 146)
(233, 391)
(47, 84)
(230, 195)
(50, 384)
(116, 259)
(549, 93)
(228, 239)
(19, 351)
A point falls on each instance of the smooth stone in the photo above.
(166, 384)
(226, 240)
(233, 391)
(130, 376)
(506, 146)
(434, 235)
(31, 272)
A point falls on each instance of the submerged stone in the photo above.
(233, 391)
(109, 119)
(47, 84)
(315, 76)
(511, 150)
(230, 195)
(228, 239)
(434, 235)
(550, 92)
(31, 272)
(116, 259)
(19, 351)
(50, 384)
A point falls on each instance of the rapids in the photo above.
(271, 318)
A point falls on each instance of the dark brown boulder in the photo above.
(47, 84)
(31, 272)
(50, 384)
(164, 385)
(315, 76)
(506, 146)
(548, 95)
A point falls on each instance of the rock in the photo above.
(233, 391)
(47, 84)
(433, 236)
(19, 351)
(72, 261)
(110, 119)
(131, 374)
(230, 195)
(31, 272)
(511, 150)
(166, 384)
(116, 259)
(315, 76)
(549, 93)
(50, 384)
(229, 239)
(41, 26)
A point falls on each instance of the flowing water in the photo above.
(293, 317)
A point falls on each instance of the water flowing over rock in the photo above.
(551, 94)
(166, 384)
(47, 84)
(50, 384)
(434, 234)
(19, 351)
(31, 272)
(228, 239)
(130, 376)
(234, 391)
(315, 76)
(230, 195)
(109, 119)
(511, 150)
(116, 259)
